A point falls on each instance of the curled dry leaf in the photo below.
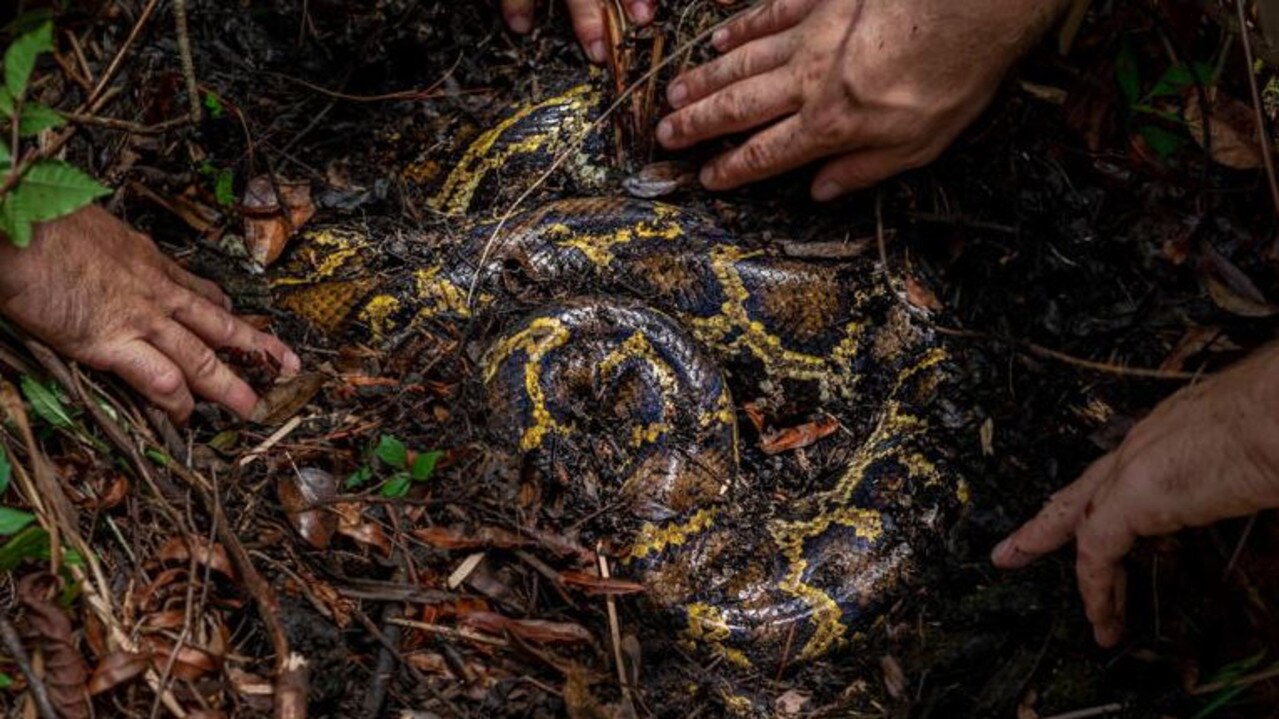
(920, 295)
(270, 220)
(595, 584)
(351, 524)
(482, 538)
(659, 179)
(117, 668)
(213, 556)
(1231, 289)
(894, 677)
(66, 675)
(797, 437)
(286, 398)
(536, 631)
(189, 662)
(302, 493)
(1232, 127)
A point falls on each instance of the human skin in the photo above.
(588, 20)
(1208, 452)
(103, 294)
(869, 86)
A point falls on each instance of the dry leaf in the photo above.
(305, 495)
(987, 436)
(267, 225)
(351, 524)
(215, 556)
(65, 674)
(1231, 289)
(894, 677)
(919, 295)
(791, 703)
(1194, 341)
(595, 584)
(536, 631)
(286, 398)
(483, 538)
(117, 668)
(797, 437)
(1232, 126)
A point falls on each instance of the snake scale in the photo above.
(638, 327)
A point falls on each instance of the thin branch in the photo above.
(184, 54)
(35, 685)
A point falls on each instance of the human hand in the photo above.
(99, 292)
(881, 87)
(1209, 452)
(588, 20)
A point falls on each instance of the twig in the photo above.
(270, 442)
(1243, 681)
(1090, 712)
(35, 685)
(114, 66)
(615, 633)
(450, 632)
(184, 53)
(1256, 106)
(134, 127)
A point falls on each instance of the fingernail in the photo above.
(641, 13)
(676, 94)
(665, 133)
(706, 177)
(719, 37)
(292, 363)
(520, 23)
(596, 51)
(826, 191)
(1006, 555)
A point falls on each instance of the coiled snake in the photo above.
(640, 322)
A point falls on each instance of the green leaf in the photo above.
(359, 477)
(20, 58)
(45, 403)
(30, 543)
(49, 190)
(13, 520)
(392, 451)
(6, 102)
(397, 485)
(36, 118)
(224, 188)
(1163, 142)
(424, 465)
(1128, 74)
(1179, 77)
(6, 471)
(214, 105)
(6, 681)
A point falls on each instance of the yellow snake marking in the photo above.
(837, 509)
(756, 338)
(653, 538)
(707, 625)
(599, 248)
(459, 187)
(540, 337)
(377, 315)
(335, 248)
(439, 295)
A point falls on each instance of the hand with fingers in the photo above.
(878, 87)
(99, 292)
(1209, 452)
(588, 20)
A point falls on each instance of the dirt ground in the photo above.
(1075, 236)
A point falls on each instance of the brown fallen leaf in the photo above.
(894, 677)
(351, 524)
(1231, 289)
(597, 585)
(270, 220)
(1232, 127)
(536, 631)
(1194, 341)
(919, 295)
(304, 494)
(189, 662)
(789, 438)
(286, 397)
(117, 668)
(482, 538)
(215, 556)
(65, 674)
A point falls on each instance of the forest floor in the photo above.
(1077, 236)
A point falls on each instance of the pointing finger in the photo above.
(769, 152)
(746, 61)
(640, 11)
(219, 328)
(1056, 522)
(205, 374)
(588, 25)
(767, 18)
(749, 103)
(152, 374)
(518, 15)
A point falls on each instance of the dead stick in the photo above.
(184, 54)
(1256, 105)
(34, 684)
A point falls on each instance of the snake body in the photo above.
(639, 328)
